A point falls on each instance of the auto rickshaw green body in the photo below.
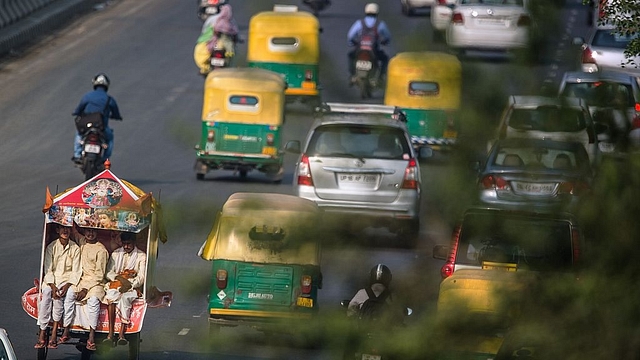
(427, 86)
(242, 119)
(265, 252)
(288, 43)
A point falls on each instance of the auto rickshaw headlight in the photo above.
(221, 279)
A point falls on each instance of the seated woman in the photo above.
(125, 272)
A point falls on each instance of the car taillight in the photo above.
(494, 182)
(305, 284)
(410, 180)
(221, 279)
(308, 75)
(218, 54)
(270, 139)
(637, 107)
(587, 56)
(304, 172)
(573, 188)
(575, 242)
(635, 123)
(457, 18)
(524, 20)
(447, 269)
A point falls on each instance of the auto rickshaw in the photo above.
(286, 41)
(265, 250)
(110, 205)
(242, 119)
(427, 87)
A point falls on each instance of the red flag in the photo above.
(48, 202)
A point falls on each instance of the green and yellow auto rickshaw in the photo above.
(265, 250)
(427, 87)
(286, 41)
(242, 118)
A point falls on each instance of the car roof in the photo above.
(361, 114)
(614, 76)
(531, 101)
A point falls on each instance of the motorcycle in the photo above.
(367, 344)
(317, 5)
(94, 144)
(220, 56)
(367, 66)
(207, 8)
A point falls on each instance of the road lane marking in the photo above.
(184, 331)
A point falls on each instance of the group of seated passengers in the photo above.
(84, 271)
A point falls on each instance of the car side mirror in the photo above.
(292, 146)
(441, 252)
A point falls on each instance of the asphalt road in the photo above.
(145, 46)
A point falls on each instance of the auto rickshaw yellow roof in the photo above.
(422, 61)
(245, 79)
(268, 201)
(284, 22)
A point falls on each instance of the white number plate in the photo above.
(92, 148)
(500, 22)
(217, 62)
(534, 188)
(606, 147)
(371, 357)
(363, 65)
(357, 178)
(211, 10)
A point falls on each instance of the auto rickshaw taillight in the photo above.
(304, 172)
(410, 180)
(211, 135)
(221, 279)
(305, 284)
(308, 75)
(270, 139)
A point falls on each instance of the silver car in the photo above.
(604, 50)
(358, 163)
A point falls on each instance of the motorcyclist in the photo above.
(379, 280)
(200, 52)
(225, 32)
(97, 101)
(370, 24)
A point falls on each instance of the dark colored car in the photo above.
(534, 174)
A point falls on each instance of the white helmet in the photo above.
(371, 9)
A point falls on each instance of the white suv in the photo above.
(358, 163)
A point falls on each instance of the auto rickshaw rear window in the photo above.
(423, 88)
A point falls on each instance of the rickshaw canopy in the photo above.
(424, 80)
(244, 95)
(265, 228)
(104, 196)
(284, 37)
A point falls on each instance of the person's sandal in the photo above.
(91, 346)
(123, 341)
(63, 339)
(40, 345)
(52, 344)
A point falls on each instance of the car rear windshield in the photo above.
(541, 157)
(533, 243)
(548, 118)
(601, 94)
(609, 39)
(361, 141)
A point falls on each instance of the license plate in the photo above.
(492, 22)
(211, 10)
(488, 265)
(363, 65)
(357, 179)
(308, 85)
(305, 302)
(534, 188)
(92, 148)
(217, 62)
(371, 357)
(606, 147)
(269, 150)
(450, 134)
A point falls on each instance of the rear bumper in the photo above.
(232, 317)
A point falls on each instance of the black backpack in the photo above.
(374, 307)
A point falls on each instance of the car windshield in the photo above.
(548, 118)
(353, 140)
(541, 157)
(539, 244)
(601, 94)
(493, 2)
(609, 39)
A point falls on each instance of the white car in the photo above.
(604, 50)
(409, 7)
(483, 24)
